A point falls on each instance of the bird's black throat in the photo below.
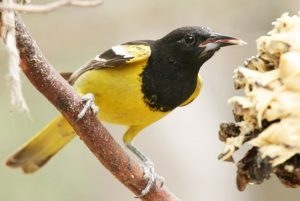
(168, 79)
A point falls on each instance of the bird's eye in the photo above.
(189, 40)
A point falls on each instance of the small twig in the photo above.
(44, 8)
(49, 82)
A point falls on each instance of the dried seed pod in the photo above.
(289, 172)
(253, 168)
(268, 115)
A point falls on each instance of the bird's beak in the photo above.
(215, 41)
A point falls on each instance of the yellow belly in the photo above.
(118, 94)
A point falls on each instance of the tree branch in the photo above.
(44, 8)
(49, 82)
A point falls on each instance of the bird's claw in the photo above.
(151, 176)
(89, 104)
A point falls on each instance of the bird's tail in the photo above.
(37, 151)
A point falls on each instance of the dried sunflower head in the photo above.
(268, 115)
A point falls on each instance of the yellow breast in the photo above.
(118, 94)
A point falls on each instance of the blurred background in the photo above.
(184, 146)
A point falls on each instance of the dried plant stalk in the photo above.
(268, 115)
(8, 34)
(48, 7)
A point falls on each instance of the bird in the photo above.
(133, 84)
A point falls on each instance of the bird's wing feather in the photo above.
(117, 56)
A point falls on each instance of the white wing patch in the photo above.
(120, 50)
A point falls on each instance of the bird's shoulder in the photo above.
(117, 56)
(126, 53)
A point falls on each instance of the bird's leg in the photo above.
(148, 167)
(89, 104)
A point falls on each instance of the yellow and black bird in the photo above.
(134, 84)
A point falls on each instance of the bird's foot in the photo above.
(151, 176)
(89, 104)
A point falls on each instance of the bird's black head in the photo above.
(194, 45)
(171, 74)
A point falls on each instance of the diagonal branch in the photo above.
(44, 8)
(49, 82)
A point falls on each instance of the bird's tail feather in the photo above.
(37, 151)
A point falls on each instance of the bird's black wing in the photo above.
(117, 56)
